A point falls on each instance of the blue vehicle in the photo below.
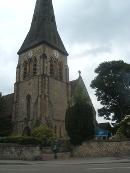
(102, 133)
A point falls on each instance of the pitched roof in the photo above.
(43, 29)
(106, 126)
(73, 85)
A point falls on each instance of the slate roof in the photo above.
(105, 126)
(43, 29)
(73, 85)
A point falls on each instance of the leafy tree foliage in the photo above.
(5, 126)
(112, 85)
(42, 132)
(23, 140)
(79, 123)
(2, 105)
(124, 127)
(80, 95)
(79, 119)
(5, 121)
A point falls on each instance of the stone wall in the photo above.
(19, 152)
(103, 149)
(47, 92)
(90, 149)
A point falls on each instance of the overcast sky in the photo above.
(93, 31)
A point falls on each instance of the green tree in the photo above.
(80, 95)
(5, 121)
(2, 105)
(112, 85)
(79, 119)
(79, 123)
(124, 127)
(5, 125)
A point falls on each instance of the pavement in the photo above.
(87, 165)
(89, 160)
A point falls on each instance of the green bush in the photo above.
(44, 134)
(41, 135)
(20, 140)
(124, 128)
(6, 125)
(79, 123)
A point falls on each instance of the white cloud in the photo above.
(93, 31)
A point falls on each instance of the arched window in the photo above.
(51, 68)
(44, 63)
(34, 66)
(60, 68)
(26, 131)
(55, 131)
(25, 66)
(60, 133)
(29, 66)
(28, 102)
(44, 56)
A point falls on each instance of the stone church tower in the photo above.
(42, 77)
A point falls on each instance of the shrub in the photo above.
(124, 128)
(5, 125)
(79, 123)
(44, 134)
(20, 140)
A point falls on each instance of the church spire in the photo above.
(43, 29)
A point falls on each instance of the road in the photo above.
(109, 165)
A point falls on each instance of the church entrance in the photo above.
(26, 131)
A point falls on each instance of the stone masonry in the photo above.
(42, 91)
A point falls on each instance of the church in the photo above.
(42, 91)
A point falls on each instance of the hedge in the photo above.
(21, 140)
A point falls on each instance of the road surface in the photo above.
(107, 165)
